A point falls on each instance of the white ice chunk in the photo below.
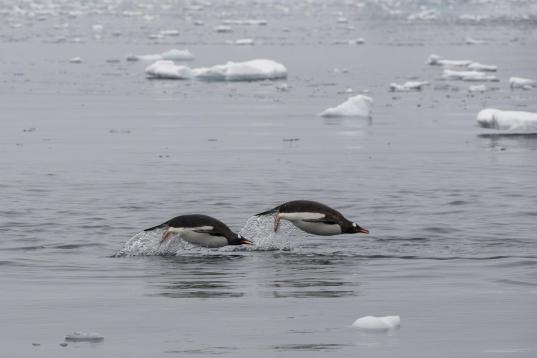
(253, 70)
(75, 60)
(477, 88)
(244, 42)
(84, 337)
(169, 32)
(359, 106)
(250, 22)
(408, 86)
(172, 55)
(524, 83)
(507, 120)
(476, 66)
(468, 76)
(472, 41)
(223, 29)
(424, 15)
(437, 60)
(372, 323)
(168, 70)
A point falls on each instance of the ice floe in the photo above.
(436, 60)
(171, 55)
(472, 41)
(223, 29)
(84, 337)
(468, 76)
(507, 120)
(524, 83)
(259, 69)
(75, 60)
(408, 86)
(250, 22)
(476, 66)
(477, 88)
(372, 323)
(244, 42)
(359, 106)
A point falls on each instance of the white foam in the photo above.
(468, 76)
(359, 106)
(253, 70)
(507, 120)
(408, 86)
(171, 55)
(524, 83)
(147, 243)
(84, 337)
(372, 323)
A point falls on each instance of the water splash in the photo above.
(258, 229)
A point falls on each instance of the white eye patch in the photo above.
(354, 225)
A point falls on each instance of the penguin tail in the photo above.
(156, 227)
(268, 212)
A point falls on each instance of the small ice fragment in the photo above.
(282, 87)
(242, 42)
(507, 120)
(408, 86)
(477, 88)
(84, 337)
(359, 106)
(468, 76)
(172, 55)
(472, 41)
(342, 20)
(223, 29)
(75, 60)
(524, 83)
(476, 66)
(357, 41)
(372, 323)
(169, 32)
(97, 28)
(424, 15)
(435, 60)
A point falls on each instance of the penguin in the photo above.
(200, 230)
(314, 218)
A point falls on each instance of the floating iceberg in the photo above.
(507, 120)
(524, 83)
(476, 66)
(171, 55)
(435, 60)
(359, 106)
(408, 86)
(468, 76)
(84, 337)
(168, 70)
(372, 323)
(253, 70)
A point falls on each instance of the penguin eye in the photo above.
(354, 225)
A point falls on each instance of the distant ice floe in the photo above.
(379, 324)
(244, 42)
(524, 83)
(357, 106)
(424, 15)
(476, 66)
(507, 120)
(75, 60)
(171, 55)
(84, 337)
(223, 29)
(468, 76)
(472, 41)
(477, 88)
(248, 22)
(435, 60)
(408, 86)
(259, 69)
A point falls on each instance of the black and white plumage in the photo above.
(314, 218)
(201, 230)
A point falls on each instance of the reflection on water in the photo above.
(309, 347)
(506, 141)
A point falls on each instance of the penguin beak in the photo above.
(243, 241)
(362, 230)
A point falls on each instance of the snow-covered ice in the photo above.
(507, 120)
(84, 337)
(171, 55)
(372, 323)
(408, 86)
(244, 42)
(468, 76)
(359, 106)
(524, 83)
(436, 60)
(259, 69)
(476, 66)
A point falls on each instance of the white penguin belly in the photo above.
(318, 228)
(200, 238)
